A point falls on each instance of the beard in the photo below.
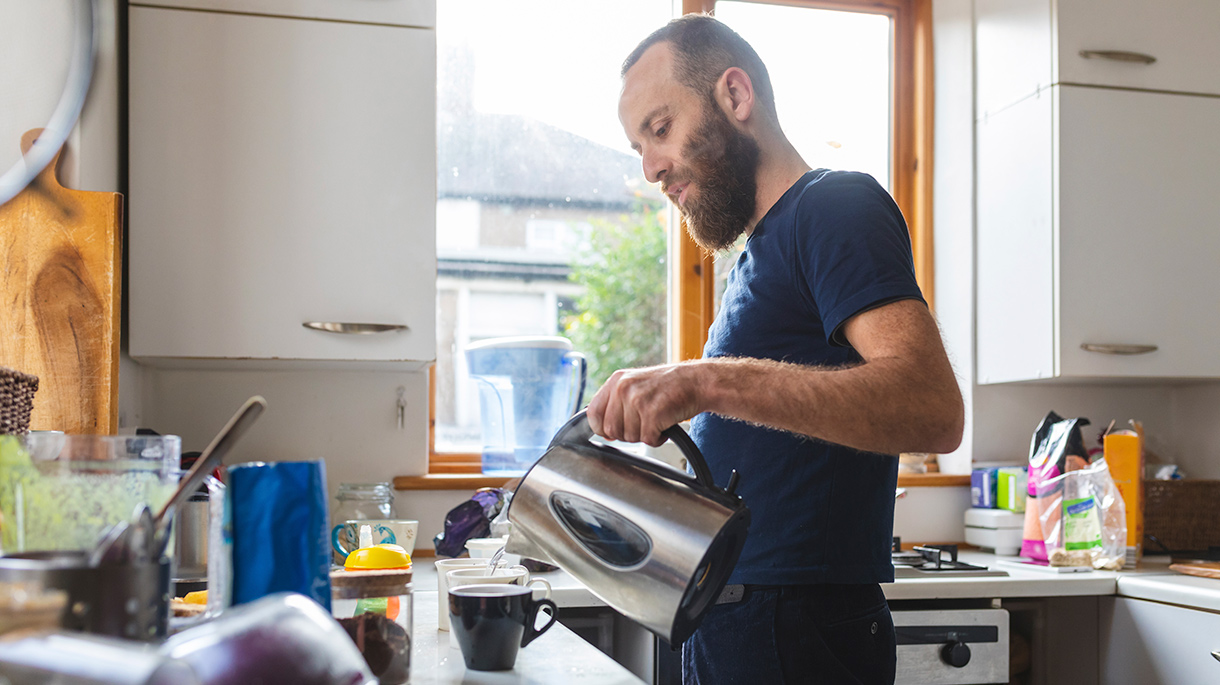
(723, 166)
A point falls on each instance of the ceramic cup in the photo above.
(443, 567)
(399, 532)
(511, 575)
(492, 622)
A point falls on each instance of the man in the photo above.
(823, 360)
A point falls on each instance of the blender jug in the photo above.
(528, 388)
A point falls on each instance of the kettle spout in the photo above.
(519, 543)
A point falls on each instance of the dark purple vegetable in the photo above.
(282, 638)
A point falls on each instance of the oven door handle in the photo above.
(939, 635)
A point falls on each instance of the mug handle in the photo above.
(335, 533)
(532, 618)
(546, 583)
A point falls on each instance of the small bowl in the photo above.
(486, 548)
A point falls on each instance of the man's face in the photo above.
(688, 144)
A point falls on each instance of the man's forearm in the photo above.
(886, 405)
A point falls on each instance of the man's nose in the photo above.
(655, 166)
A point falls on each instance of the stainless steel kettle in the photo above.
(650, 541)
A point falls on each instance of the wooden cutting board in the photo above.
(1206, 569)
(59, 299)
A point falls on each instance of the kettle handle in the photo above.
(577, 429)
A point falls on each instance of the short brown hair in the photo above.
(704, 49)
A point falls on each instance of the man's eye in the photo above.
(660, 133)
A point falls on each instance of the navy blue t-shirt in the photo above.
(834, 245)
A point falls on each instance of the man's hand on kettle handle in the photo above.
(636, 405)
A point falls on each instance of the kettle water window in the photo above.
(608, 536)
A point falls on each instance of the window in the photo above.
(539, 194)
(545, 224)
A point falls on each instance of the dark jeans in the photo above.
(794, 634)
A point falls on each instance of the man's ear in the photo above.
(735, 93)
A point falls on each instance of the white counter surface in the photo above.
(558, 656)
(567, 592)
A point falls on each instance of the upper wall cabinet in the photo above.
(282, 187)
(1025, 47)
(1098, 244)
(417, 13)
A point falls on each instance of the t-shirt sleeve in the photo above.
(855, 251)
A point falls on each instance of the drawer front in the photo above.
(418, 13)
(1148, 643)
(924, 663)
(1180, 34)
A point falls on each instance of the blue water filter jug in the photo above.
(528, 388)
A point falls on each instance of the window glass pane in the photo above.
(545, 224)
(832, 73)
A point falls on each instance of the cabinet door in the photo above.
(1147, 643)
(281, 171)
(419, 13)
(1015, 249)
(1138, 236)
(1180, 34)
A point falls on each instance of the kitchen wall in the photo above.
(348, 418)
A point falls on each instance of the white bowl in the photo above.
(486, 548)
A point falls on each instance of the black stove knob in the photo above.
(956, 654)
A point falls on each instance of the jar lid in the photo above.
(351, 584)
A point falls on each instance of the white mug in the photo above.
(443, 567)
(512, 575)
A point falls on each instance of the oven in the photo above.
(953, 645)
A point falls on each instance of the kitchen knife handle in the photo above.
(353, 328)
(1108, 348)
(1118, 56)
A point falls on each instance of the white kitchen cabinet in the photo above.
(1097, 237)
(282, 171)
(418, 13)
(1025, 46)
(1097, 225)
(1149, 643)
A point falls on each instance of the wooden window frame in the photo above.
(692, 280)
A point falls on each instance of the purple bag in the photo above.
(470, 519)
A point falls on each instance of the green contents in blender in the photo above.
(55, 505)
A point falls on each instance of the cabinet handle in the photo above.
(1118, 349)
(353, 328)
(1118, 56)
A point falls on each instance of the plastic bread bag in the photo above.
(1056, 448)
(1083, 519)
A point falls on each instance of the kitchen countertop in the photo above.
(568, 592)
(558, 656)
(1188, 591)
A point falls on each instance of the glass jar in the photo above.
(358, 501)
(375, 608)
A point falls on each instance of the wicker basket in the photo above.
(16, 400)
(1181, 515)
